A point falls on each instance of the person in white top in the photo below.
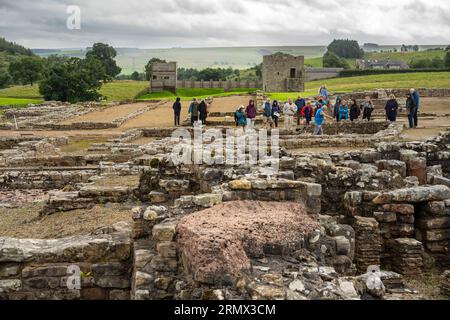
(289, 110)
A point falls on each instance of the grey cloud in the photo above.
(167, 23)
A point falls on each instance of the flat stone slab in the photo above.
(78, 248)
(415, 194)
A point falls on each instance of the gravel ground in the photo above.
(24, 222)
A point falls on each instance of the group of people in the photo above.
(412, 108)
(198, 111)
(305, 111)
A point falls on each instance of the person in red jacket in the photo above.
(307, 112)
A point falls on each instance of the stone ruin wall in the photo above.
(386, 205)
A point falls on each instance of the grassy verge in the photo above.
(113, 91)
(188, 94)
(18, 102)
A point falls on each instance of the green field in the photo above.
(397, 80)
(122, 90)
(188, 94)
(114, 91)
(18, 102)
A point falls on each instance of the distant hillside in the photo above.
(134, 59)
(14, 48)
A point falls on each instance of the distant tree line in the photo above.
(405, 48)
(14, 48)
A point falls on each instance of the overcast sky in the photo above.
(202, 23)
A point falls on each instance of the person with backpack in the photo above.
(343, 111)
(239, 116)
(177, 111)
(391, 108)
(336, 107)
(267, 114)
(416, 97)
(250, 112)
(193, 111)
(307, 112)
(300, 103)
(276, 112)
(203, 111)
(354, 110)
(411, 109)
(367, 108)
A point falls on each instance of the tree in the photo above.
(437, 63)
(105, 54)
(26, 70)
(331, 60)
(148, 67)
(135, 76)
(5, 78)
(447, 59)
(73, 80)
(346, 48)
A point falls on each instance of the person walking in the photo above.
(267, 114)
(416, 97)
(336, 108)
(319, 119)
(250, 112)
(241, 119)
(177, 111)
(391, 108)
(411, 109)
(276, 112)
(203, 111)
(289, 110)
(367, 108)
(193, 111)
(354, 110)
(300, 103)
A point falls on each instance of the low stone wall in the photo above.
(11, 142)
(43, 179)
(44, 269)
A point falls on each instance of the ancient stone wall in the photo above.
(41, 269)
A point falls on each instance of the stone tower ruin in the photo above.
(164, 77)
(283, 73)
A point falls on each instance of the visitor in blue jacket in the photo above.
(416, 97)
(343, 111)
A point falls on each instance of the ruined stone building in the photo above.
(283, 73)
(164, 77)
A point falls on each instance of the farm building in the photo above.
(381, 64)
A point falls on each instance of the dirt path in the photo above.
(163, 115)
(109, 114)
